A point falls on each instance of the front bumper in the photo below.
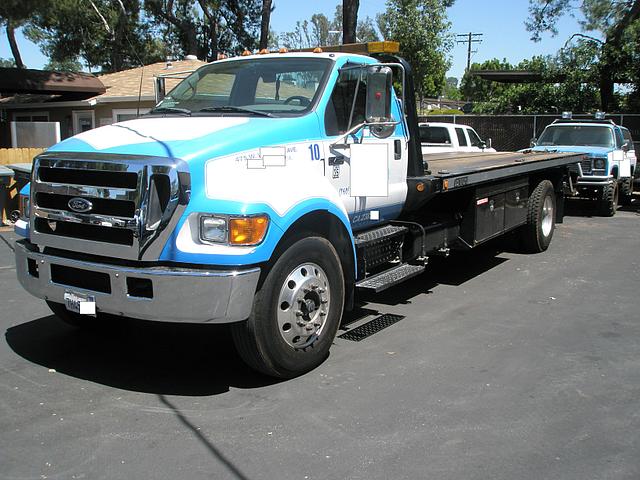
(594, 181)
(177, 294)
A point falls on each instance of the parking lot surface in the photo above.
(504, 366)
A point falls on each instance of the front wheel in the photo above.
(536, 234)
(296, 312)
(608, 205)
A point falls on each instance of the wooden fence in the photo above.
(18, 155)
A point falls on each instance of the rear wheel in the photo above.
(626, 191)
(609, 202)
(536, 234)
(296, 312)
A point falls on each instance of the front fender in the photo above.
(285, 194)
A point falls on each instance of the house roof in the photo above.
(28, 81)
(126, 83)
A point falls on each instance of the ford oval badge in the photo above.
(80, 205)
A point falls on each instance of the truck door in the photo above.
(369, 172)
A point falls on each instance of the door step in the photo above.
(378, 235)
(388, 278)
(378, 247)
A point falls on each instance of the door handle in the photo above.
(337, 160)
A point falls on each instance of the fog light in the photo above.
(213, 229)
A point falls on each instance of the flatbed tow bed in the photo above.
(466, 169)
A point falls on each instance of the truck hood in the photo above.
(189, 138)
(586, 149)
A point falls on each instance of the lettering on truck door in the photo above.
(368, 172)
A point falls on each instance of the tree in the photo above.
(349, 20)
(548, 95)
(104, 34)
(267, 10)
(476, 89)
(615, 22)
(207, 27)
(421, 27)
(315, 33)
(7, 63)
(14, 14)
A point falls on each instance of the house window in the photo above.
(124, 114)
(31, 117)
(83, 120)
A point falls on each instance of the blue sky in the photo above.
(501, 22)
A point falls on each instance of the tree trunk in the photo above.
(11, 35)
(264, 24)
(606, 89)
(349, 20)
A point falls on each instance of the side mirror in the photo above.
(489, 143)
(626, 147)
(482, 144)
(160, 88)
(379, 80)
(533, 141)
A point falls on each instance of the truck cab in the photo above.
(440, 137)
(606, 173)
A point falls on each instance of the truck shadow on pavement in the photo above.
(150, 357)
(195, 359)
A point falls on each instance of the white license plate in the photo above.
(80, 303)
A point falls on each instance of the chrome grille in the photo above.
(132, 203)
(586, 165)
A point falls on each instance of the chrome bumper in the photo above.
(593, 181)
(178, 295)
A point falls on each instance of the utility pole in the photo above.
(469, 38)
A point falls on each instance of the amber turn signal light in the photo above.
(247, 230)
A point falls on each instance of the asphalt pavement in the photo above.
(502, 366)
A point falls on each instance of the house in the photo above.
(127, 94)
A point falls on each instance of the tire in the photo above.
(71, 318)
(609, 203)
(626, 191)
(296, 312)
(536, 234)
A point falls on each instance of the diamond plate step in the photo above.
(378, 235)
(389, 278)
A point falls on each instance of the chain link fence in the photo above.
(514, 132)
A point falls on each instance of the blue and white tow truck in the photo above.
(606, 173)
(264, 191)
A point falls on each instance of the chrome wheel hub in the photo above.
(547, 216)
(303, 305)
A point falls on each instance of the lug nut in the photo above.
(323, 314)
(314, 287)
(299, 313)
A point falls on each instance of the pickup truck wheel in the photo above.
(626, 191)
(536, 234)
(71, 318)
(296, 312)
(609, 202)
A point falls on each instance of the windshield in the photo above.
(592, 135)
(255, 86)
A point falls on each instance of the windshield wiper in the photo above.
(233, 108)
(183, 111)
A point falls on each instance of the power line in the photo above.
(469, 39)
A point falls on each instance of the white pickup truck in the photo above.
(437, 137)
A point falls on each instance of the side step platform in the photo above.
(389, 278)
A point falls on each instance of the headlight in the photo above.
(233, 230)
(213, 229)
(24, 206)
(599, 163)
